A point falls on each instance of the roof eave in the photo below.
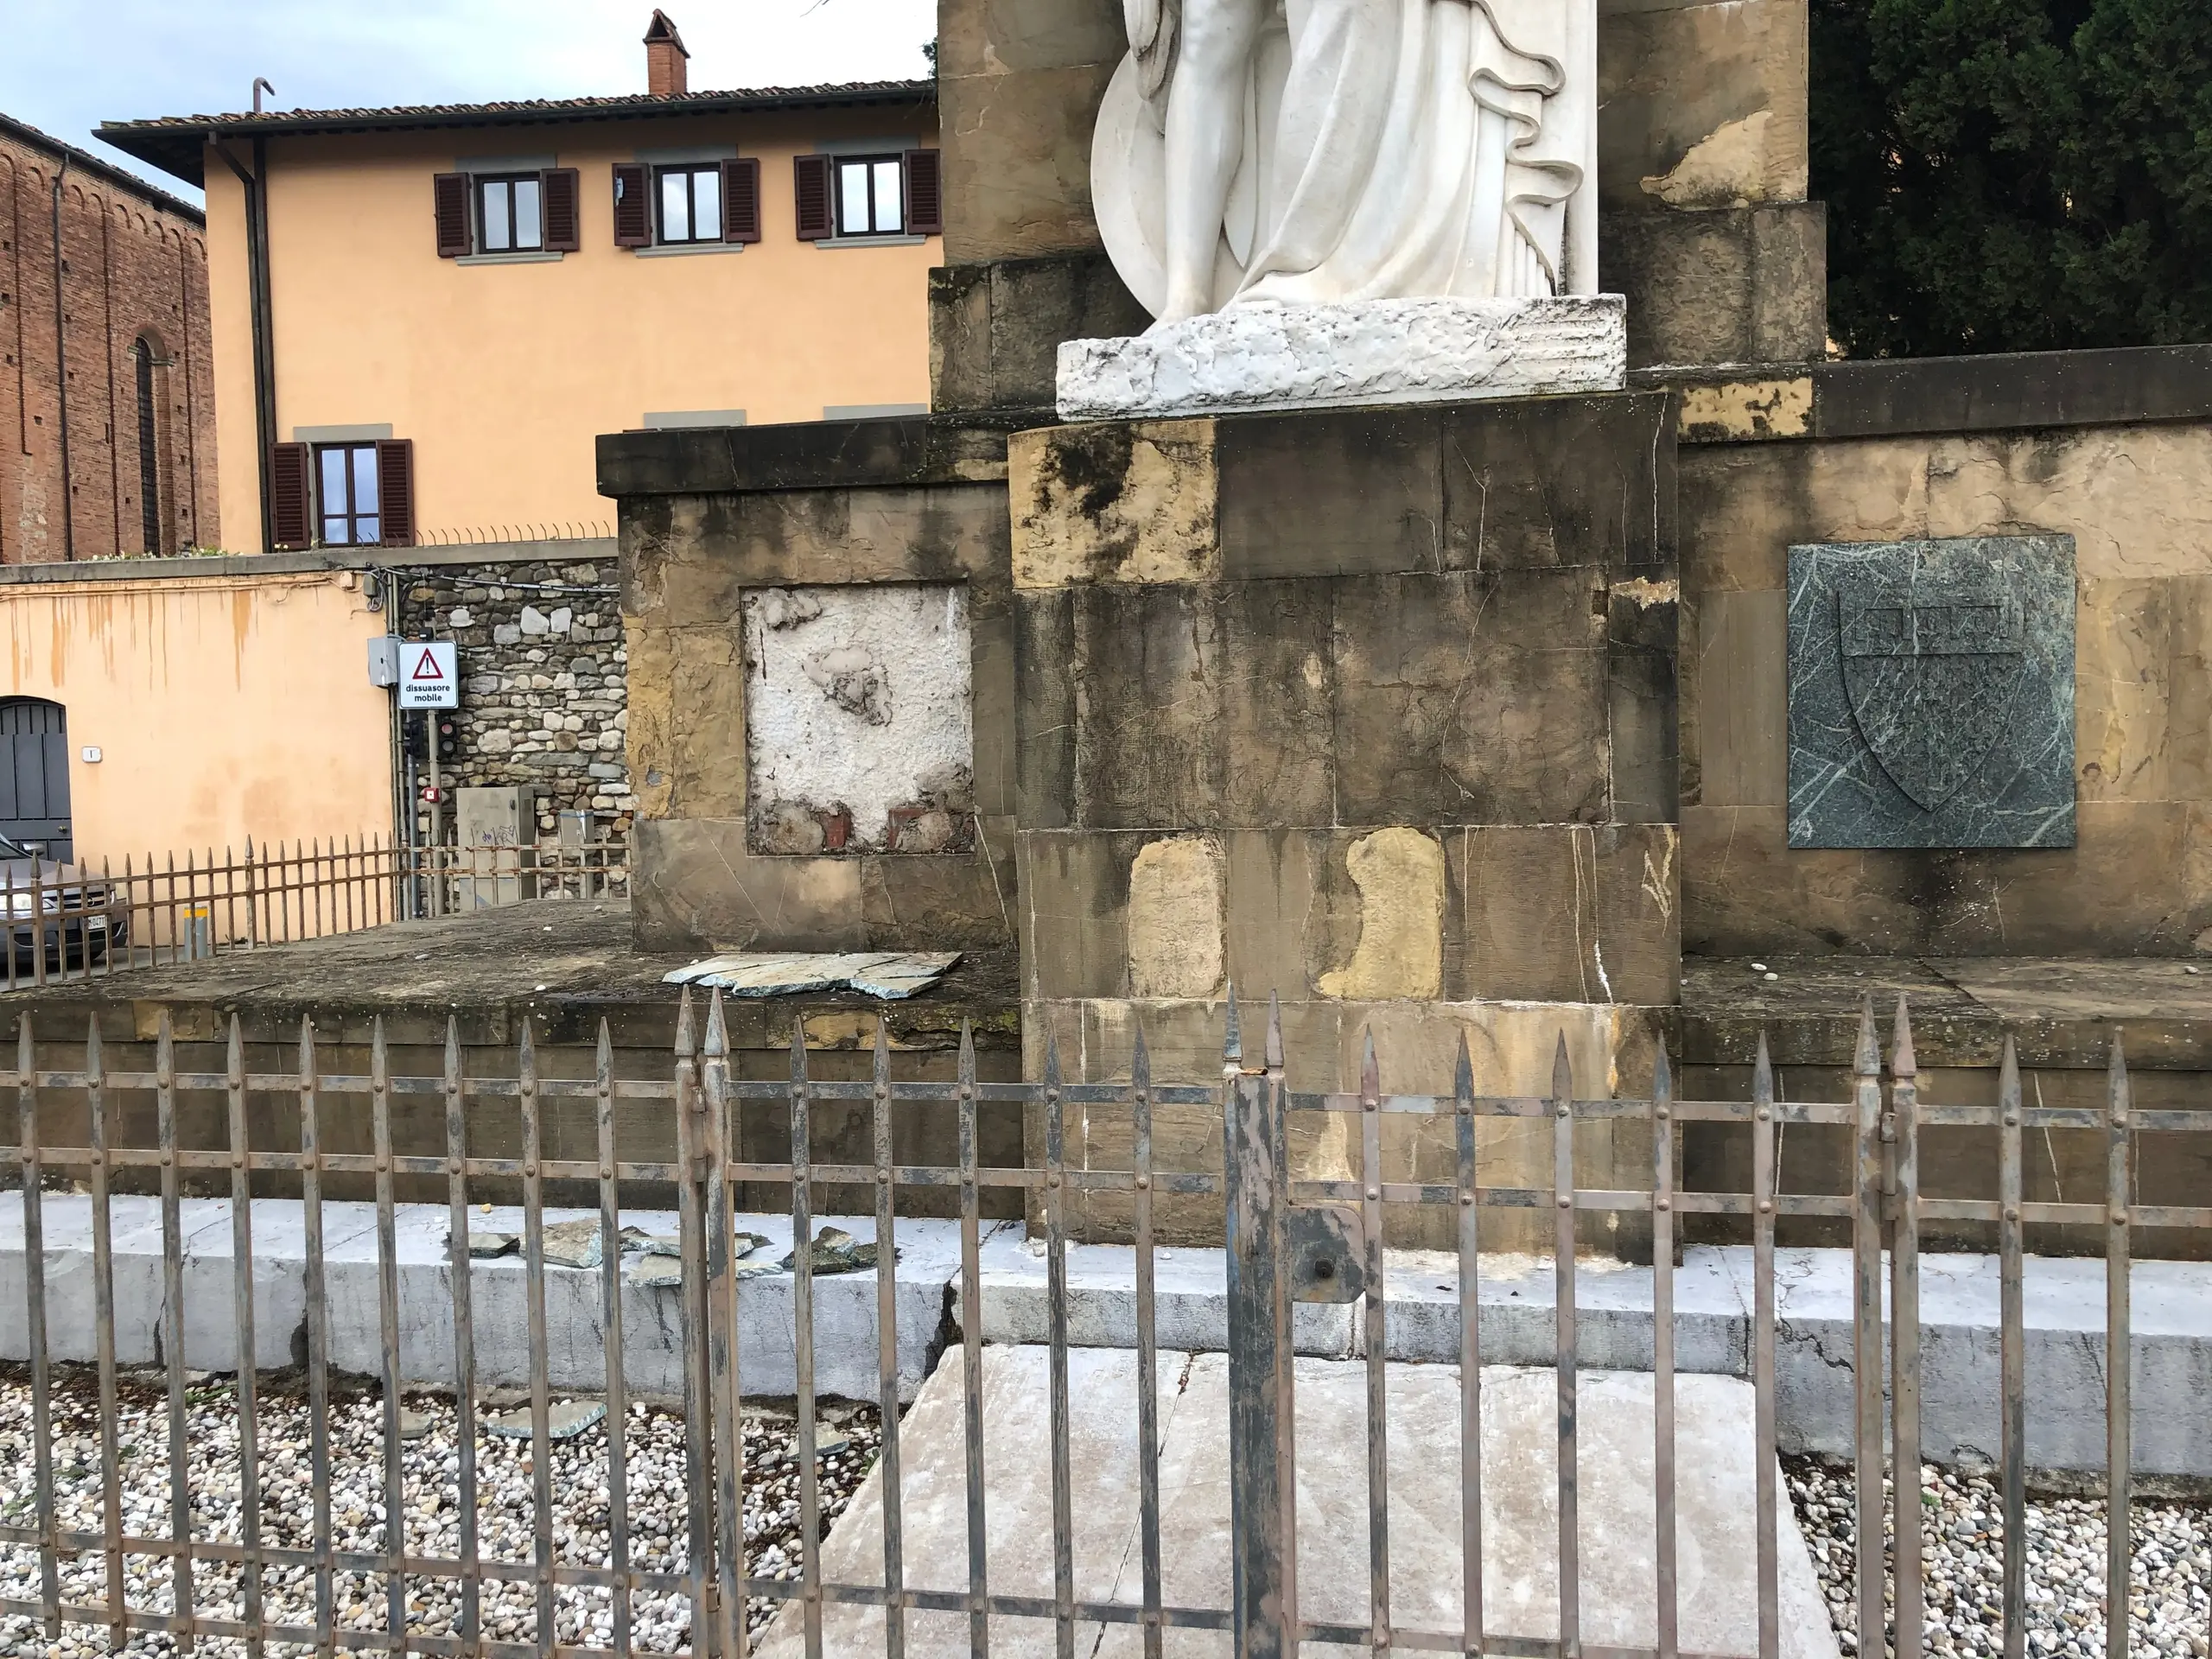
(178, 148)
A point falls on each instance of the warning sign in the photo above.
(429, 677)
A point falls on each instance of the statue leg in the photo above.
(1205, 120)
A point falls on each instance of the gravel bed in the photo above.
(847, 1438)
(1963, 1551)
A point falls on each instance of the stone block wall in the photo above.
(544, 672)
(707, 522)
(1369, 710)
(1888, 451)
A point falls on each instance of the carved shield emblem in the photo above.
(1933, 669)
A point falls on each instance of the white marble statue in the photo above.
(1316, 151)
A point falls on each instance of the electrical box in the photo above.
(496, 831)
(383, 660)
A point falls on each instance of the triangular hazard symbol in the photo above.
(427, 668)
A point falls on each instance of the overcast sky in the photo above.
(68, 64)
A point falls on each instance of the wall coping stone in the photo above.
(1901, 396)
(880, 451)
(577, 550)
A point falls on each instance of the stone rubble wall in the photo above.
(544, 677)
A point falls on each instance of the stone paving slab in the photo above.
(1718, 1606)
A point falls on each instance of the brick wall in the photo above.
(133, 265)
(544, 694)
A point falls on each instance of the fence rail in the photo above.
(71, 919)
(69, 1120)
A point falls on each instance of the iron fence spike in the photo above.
(1562, 1073)
(1232, 1041)
(1463, 1069)
(1901, 1060)
(683, 1044)
(1274, 1032)
(717, 1042)
(1867, 1062)
(1371, 1070)
(1052, 1059)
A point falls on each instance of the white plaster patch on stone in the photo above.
(1724, 169)
(1259, 356)
(1175, 931)
(858, 701)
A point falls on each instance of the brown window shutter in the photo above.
(563, 230)
(395, 491)
(812, 184)
(449, 203)
(741, 199)
(925, 194)
(634, 216)
(290, 508)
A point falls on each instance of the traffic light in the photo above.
(414, 737)
(448, 737)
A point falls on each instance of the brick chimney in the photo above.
(665, 59)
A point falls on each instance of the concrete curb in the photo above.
(844, 1304)
(2063, 1298)
(2064, 1301)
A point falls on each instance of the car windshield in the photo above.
(13, 848)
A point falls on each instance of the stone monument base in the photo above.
(1261, 355)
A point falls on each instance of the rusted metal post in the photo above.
(1866, 1334)
(2011, 1321)
(1762, 1380)
(971, 1353)
(2119, 1357)
(1564, 1353)
(1902, 1134)
(1257, 1357)
(1373, 1306)
(1662, 1352)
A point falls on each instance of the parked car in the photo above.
(88, 918)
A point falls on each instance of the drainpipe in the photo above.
(61, 375)
(264, 369)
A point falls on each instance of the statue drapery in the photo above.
(1390, 150)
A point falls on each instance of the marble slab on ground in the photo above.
(1718, 1605)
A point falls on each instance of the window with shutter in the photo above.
(395, 491)
(741, 199)
(634, 208)
(811, 187)
(925, 194)
(288, 489)
(449, 206)
(559, 187)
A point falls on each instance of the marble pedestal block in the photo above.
(1265, 356)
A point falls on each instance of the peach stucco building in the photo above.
(423, 316)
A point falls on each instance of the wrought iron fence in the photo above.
(69, 920)
(1288, 1240)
